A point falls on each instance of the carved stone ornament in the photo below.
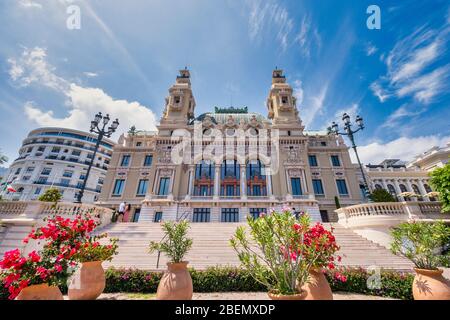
(165, 172)
(207, 122)
(294, 173)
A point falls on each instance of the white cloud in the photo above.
(82, 102)
(370, 49)
(402, 112)
(403, 148)
(30, 4)
(90, 74)
(314, 105)
(308, 36)
(32, 67)
(411, 67)
(298, 91)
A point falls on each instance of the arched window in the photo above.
(427, 188)
(204, 178)
(416, 191)
(403, 188)
(391, 189)
(230, 178)
(378, 186)
(256, 179)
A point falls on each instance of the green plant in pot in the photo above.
(426, 245)
(51, 195)
(275, 253)
(176, 283)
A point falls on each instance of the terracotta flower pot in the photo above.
(88, 282)
(317, 287)
(430, 285)
(40, 292)
(176, 283)
(298, 296)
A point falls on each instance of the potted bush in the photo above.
(33, 277)
(176, 283)
(275, 254)
(89, 280)
(323, 244)
(424, 244)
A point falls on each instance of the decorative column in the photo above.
(422, 190)
(216, 181)
(191, 181)
(397, 190)
(269, 184)
(243, 183)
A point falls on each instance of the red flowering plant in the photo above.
(54, 264)
(323, 243)
(92, 250)
(19, 272)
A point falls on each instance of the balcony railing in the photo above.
(56, 184)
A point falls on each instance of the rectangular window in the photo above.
(164, 186)
(76, 152)
(201, 215)
(18, 170)
(312, 160)
(118, 187)
(125, 160)
(158, 216)
(148, 160)
(256, 190)
(37, 191)
(42, 180)
(82, 176)
(26, 178)
(317, 186)
(335, 161)
(46, 171)
(56, 149)
(142, 187)
(100, 181)
(230, 215)
(30, 169)
(68, 174)
(138, 144)
(296, 187)
(342, 187)
(41, 149)
(255, 212)
(65, 182)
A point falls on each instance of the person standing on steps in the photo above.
(121, 211)
(126, 215)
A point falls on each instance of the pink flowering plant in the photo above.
(275, 251)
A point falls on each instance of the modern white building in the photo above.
(58, 157)
(433, 158)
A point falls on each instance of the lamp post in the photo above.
(348, 131)
(98, 126)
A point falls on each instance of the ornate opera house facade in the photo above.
(224, 165)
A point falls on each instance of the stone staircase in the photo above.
(211, 247)
(11, 237)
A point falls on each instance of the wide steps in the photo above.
(211, 247)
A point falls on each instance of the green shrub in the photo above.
(226, 279)
(440, 181)
(393, 284)
(51, 195)
(424, 243)
(4, 294)
(381, 195)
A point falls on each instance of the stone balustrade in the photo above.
(12, 212)
(374, 221)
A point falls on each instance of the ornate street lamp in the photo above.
(334, 129)
(98, 126)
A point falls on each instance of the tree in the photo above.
(336, 202)
(381, 195)
(440, 181)
(3, 158)
(51, 195)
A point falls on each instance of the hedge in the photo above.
(224, 279)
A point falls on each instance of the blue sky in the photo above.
(128, 53)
